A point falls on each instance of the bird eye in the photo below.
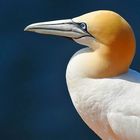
(83, 26)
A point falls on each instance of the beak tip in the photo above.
(27, 28)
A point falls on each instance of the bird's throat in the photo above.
(95, 64)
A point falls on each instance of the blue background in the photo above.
(34, 101)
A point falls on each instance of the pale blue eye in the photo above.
(83, 26)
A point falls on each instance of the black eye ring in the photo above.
(83, 25)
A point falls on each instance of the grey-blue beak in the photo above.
(66, 28)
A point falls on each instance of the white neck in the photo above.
(74, 72)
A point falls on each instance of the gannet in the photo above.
(103, 89)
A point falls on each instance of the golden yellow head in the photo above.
(115, 38)
(107, 27)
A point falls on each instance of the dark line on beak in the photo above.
(41, 28)
(60, 23)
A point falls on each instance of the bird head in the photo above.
(103, 31)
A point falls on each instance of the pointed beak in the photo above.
(66, 28)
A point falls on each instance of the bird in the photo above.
(103, 88)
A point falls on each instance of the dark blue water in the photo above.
(34, 101)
